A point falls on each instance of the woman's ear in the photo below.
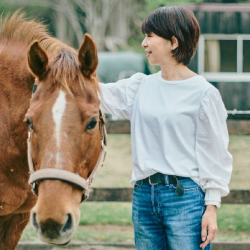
(174, 43)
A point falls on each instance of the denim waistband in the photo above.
(159, 178)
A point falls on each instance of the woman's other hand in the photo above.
(208, 225)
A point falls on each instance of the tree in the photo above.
(151, 5)
(110, 22)
(64, 15)
(98, 13)
(94, 16)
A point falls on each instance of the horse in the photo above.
(54, 89)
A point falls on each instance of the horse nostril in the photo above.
(68, 224)
(34, 221)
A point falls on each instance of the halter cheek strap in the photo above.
(65, 175)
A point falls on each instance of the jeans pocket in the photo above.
(188, 184)
(138, 184)
(202, 198)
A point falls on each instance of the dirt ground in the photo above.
(76, 247)
(96, 247)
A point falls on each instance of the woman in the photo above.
(181, 166)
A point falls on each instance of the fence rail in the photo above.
(238, 114)
(125, 195)
(238, 124)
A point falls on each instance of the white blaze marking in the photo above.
(58, 111)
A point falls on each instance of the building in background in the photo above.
(223, 55)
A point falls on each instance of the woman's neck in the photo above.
(176, 72)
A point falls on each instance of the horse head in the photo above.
(64, 126)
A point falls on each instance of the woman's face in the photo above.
(158, 49)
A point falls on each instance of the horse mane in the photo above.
(64, 65)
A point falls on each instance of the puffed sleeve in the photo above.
(214, 160)
(118, 98)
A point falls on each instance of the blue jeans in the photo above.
(164, 221)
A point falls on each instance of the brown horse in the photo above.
(64, 133)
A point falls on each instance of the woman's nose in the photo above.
(144, 43)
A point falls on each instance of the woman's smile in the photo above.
(158, 49)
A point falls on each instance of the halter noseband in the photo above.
(65, 175)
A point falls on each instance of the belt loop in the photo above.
(166, 179)
(150, 182)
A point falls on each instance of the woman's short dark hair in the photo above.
(180, 22)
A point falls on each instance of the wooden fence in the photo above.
(125, 195)
(238, 123)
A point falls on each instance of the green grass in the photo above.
(105, 213)
(231, 218)
(86, 234)
(234, 218)
(233, 223)
(239, 146)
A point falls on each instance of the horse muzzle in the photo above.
(54, 231)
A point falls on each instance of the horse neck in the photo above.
(16, 84)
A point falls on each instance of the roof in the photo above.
(220, 7)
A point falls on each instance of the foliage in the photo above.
(95, 17)
(32, 11)
(151, 5)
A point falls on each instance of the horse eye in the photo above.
(91, 124)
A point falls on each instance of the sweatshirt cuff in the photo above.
(216, 203)
(213, 195)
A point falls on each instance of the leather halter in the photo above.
(65, 175)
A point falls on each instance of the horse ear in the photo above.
(37, 59)
(87, 56)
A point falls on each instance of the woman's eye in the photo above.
(30, 123)
(91, 124)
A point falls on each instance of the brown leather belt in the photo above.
(159, 178)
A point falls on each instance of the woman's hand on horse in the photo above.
(208, 225)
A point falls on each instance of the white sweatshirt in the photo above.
(177, 128)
